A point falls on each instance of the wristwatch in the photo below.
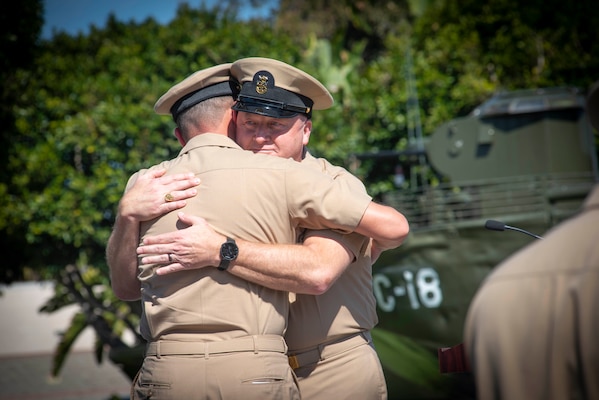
(228, 253)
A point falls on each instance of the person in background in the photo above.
(531, 330)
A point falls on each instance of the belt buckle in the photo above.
(293, 363)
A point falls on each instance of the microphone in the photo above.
(500, 226)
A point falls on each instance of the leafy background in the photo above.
(77, 111)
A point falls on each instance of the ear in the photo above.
(307, 131)
(179, 135)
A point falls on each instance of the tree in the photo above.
(21, 24)
(515, 45)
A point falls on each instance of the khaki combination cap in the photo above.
(201, 85)
(276, 89)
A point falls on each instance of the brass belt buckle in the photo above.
(293, 363)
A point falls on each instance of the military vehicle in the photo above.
(526, 159)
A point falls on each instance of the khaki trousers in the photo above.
(346, 369)
(215, 371)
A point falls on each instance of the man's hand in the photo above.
(147, 198)
(194, 247)
(144, 200)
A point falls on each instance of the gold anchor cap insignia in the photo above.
(262, 84)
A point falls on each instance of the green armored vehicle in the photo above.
(523, 159)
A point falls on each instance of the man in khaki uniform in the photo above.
(329, 334)
(531, 331)
(211, 334)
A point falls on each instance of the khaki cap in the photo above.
(276, 89)
(201, 85)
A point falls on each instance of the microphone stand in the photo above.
(500, 226)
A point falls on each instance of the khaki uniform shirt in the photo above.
(250, 196)
(532, 329)
(349, 306)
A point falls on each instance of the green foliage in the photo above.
(76, 327)
(79, 118)
(513, 45)
(20, 26)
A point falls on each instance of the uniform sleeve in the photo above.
(334, 171)
(318, 201)
(357, 244)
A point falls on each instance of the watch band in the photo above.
(228, 253)
(224, 264)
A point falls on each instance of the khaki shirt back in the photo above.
(250, 196)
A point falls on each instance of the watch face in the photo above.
(229, 251)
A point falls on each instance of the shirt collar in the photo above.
(209, 140)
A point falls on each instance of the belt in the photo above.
(330, 349)
(271, 343)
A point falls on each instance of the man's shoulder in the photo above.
(325, 165)
(333, 171)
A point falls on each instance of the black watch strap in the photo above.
(228, 253)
